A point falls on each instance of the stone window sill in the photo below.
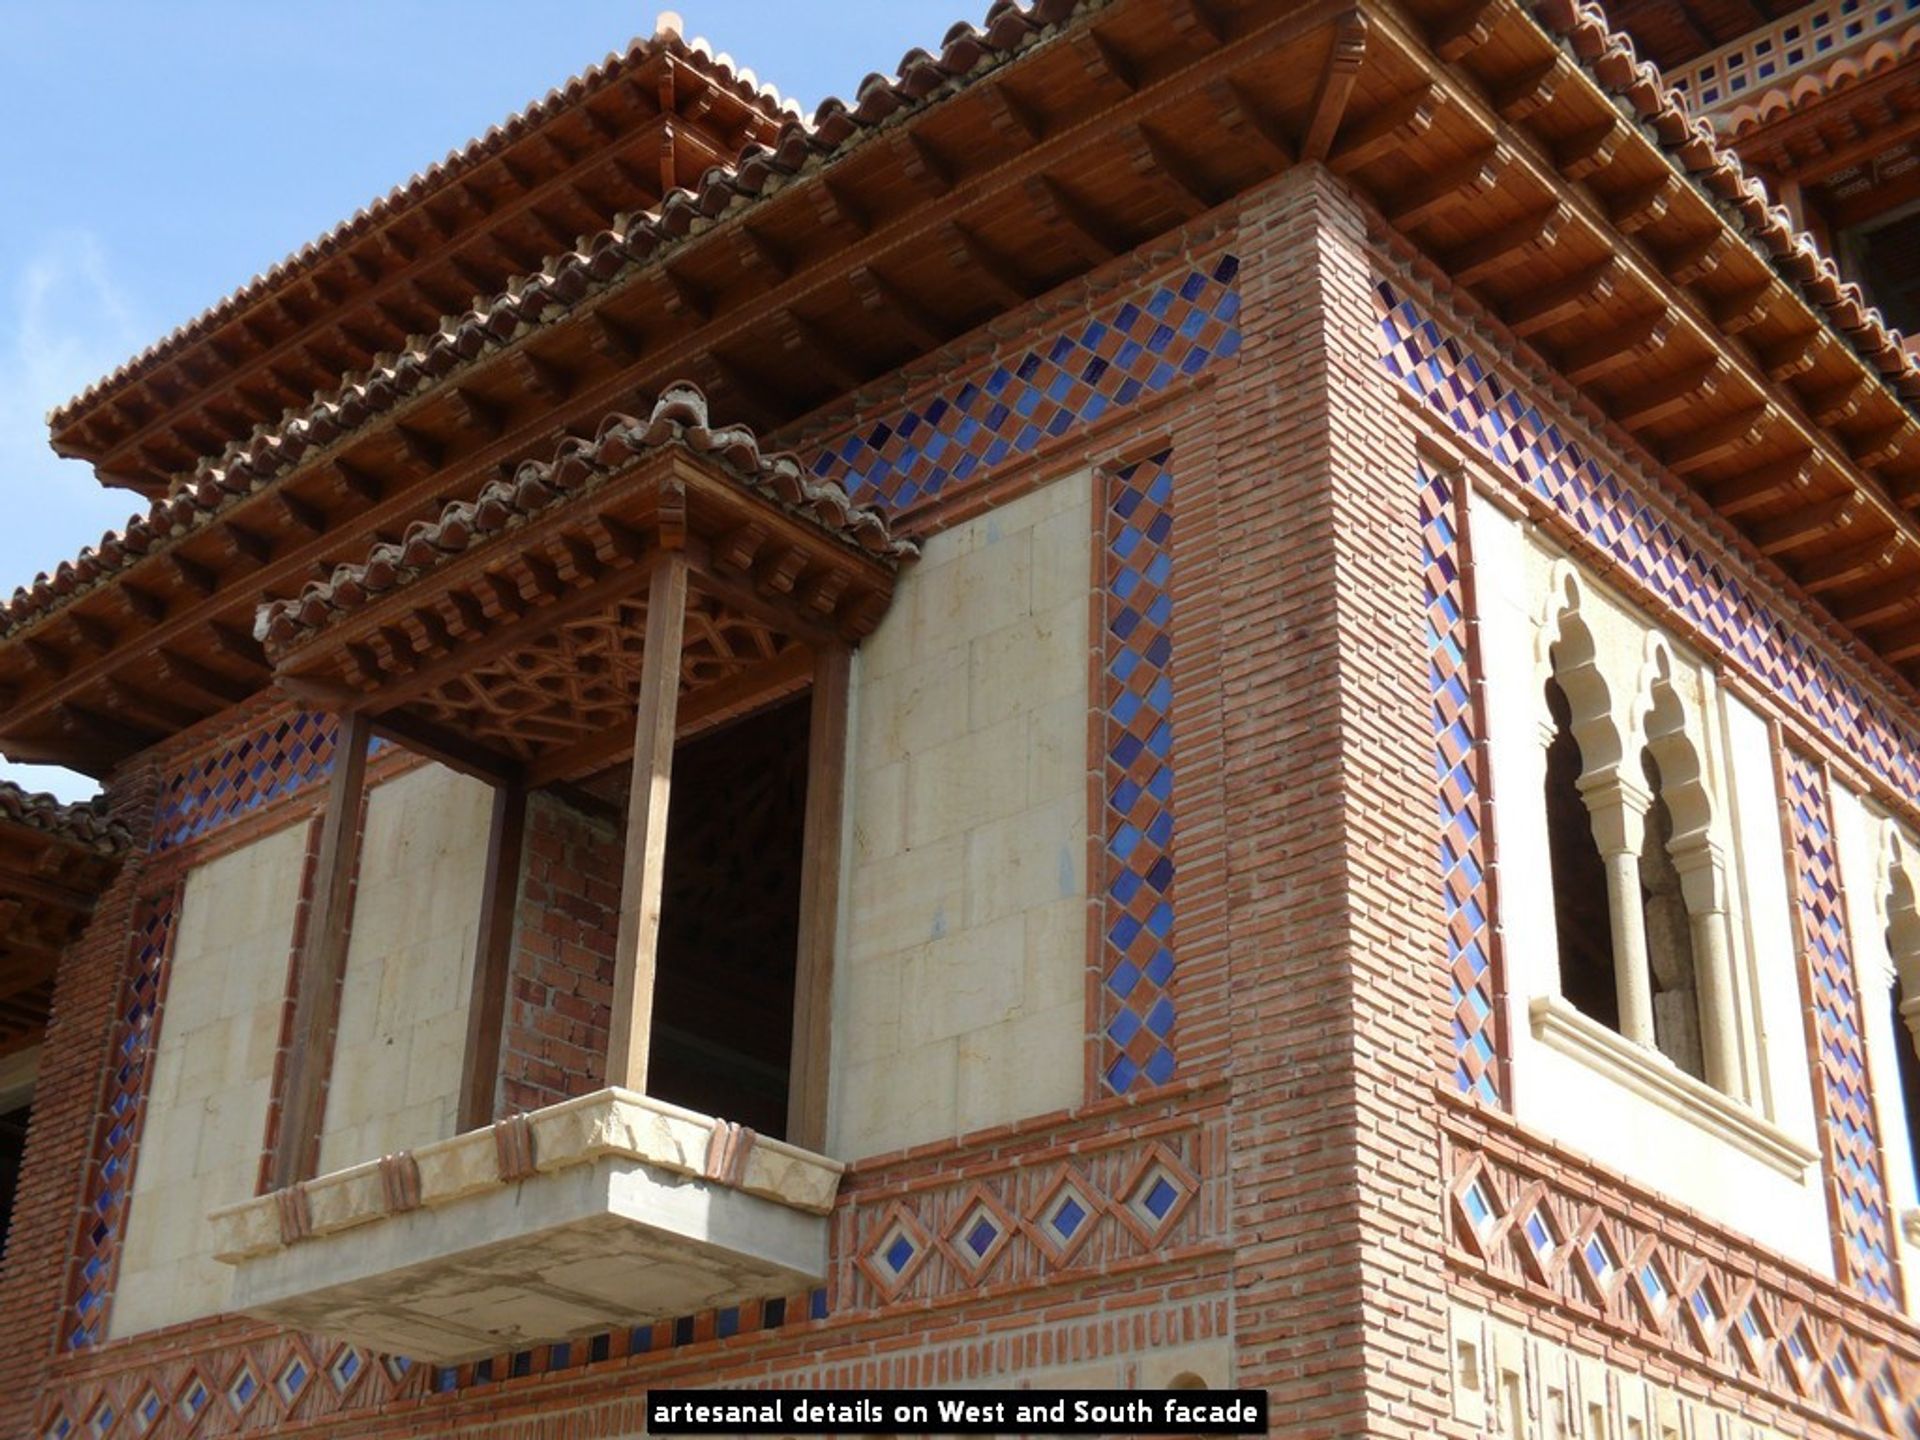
(1653, 1077)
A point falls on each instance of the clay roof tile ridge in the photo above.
(86, 823)
(679, 416)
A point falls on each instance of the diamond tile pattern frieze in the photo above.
(1459, 777)
(1010, 406)
(103, 1217)
(1706, 1298)
(1135, 701)
(1084, 1210)
(284, 755)
(1855, 1170)
(1634, 528)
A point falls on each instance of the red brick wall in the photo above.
(1334, 902)
(73, 1067)
(560, 993)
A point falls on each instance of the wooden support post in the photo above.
(323, 959)
(819, 900)
(492, 957)
(640, 878)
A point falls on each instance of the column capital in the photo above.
(1618, 806)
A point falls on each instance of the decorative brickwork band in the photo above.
(1512, 432)
(1459, 773)
(110, 1177)
(1006, 409)
(1541, 1228)
(1136, 699)
(1863, 1240)
(286, 754)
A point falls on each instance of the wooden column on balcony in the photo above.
(640, 881)
(492, 957)
(819, 899)
(323, 959)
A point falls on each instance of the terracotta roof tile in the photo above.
(802, 149)
(563, 280)
(679, 417)
(1717, 169)
(1780, 100)
(718, 67)
(86, 824)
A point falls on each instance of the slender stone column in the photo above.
(1703, 882)
(1619, 810)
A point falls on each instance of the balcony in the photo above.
(606, 1211)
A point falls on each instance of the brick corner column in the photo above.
(60, 1136)
(1337, 949)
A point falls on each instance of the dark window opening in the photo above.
(1885, 258)
(1579, 877)
(1676, 1006)
(13, 1148)
(1909, 1057)
(722, 1038)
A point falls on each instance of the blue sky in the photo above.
(155, 156)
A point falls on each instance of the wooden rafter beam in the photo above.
(1450, 185)
(1492, 253)
(1337, 79)
(1549, 305)
(1383, 130)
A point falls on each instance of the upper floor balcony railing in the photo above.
(1764, 57)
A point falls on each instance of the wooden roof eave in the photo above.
(598, 317)
(1776, 415)
(746, 551)
(213, 359)
(341, 464)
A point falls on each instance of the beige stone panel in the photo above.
(968, 797)
(1039, 657)
(1028, 861)
(956, 787)
(922, 707)
(397, 1061)
(972, 980)
(1056, 958)
(879, 812)
(904, 900)
(1057, 758)
(975, 593)
(1026, 1065)
(895, 1102)
(206, 1113)
(872, 1025)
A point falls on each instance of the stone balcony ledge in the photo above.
(608, 1210)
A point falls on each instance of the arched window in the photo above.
(1639, 885)
(1582, 920)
